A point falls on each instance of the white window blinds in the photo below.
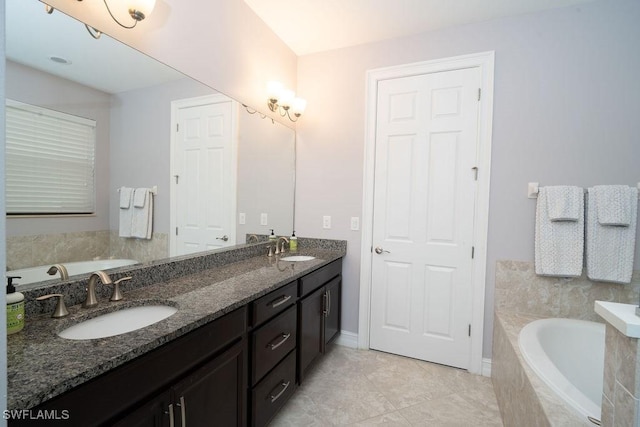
(50, 159)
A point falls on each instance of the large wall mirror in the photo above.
(55, 63)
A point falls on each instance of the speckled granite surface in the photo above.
(41, 365)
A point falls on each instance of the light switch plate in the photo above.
(355, 223)
(326, 222)
(263, 219)
(242, 218)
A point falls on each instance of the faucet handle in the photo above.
(117, 294)
(61, 308)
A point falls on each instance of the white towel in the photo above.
(564, 202)
(142, 221)
(125, 197)
(559, 245)
(610, 248)
(140, 197)
(614, 206)
(126, 211)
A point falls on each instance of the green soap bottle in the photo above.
(15, 307)
(293, 242)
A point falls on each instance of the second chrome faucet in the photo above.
(116, 295)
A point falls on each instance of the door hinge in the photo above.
(479, 93)
(475, 172)
(469, 329)
(177, 127)
(176, 231)
(176, 176)
(473, 251)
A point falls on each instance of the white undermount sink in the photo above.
(118, 322)
(297, 258)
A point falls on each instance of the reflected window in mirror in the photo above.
(50, 167)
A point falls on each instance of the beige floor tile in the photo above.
(364, 387)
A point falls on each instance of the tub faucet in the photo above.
(91, 300)
(252, 238)
(59, 268)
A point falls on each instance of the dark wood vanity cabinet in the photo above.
(319, 314)
(237, 370)
(273, 353)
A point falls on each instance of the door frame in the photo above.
(176, 105)
(485, 62)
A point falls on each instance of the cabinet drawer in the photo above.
(313, 280)
(273, 391)
(273, 303)
(271, 342)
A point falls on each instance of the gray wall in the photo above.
(567, 99)
(140, 143)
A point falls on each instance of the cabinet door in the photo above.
(155, 413)
(332, 309)
(310, 331)
(215, 394)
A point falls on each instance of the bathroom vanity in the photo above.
(243, 339)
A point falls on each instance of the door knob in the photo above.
(379, 250)
(223, 238)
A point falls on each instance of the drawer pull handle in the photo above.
(277, 302)
(283, 337)
(171, 422)
(284, 386)
(183, 411)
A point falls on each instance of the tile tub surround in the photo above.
(520, 290)
(42, 365)
(524, 399)
(621, 389)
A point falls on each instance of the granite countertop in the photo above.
(41, 365)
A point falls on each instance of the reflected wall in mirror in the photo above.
(129, 95)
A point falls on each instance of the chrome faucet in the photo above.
(285, 240)
(91, 300)
(59, 268)
(252, 237)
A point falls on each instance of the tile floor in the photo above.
(365, 387)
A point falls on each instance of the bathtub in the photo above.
(568, 355)
(39, 274)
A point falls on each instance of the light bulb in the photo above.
(140, 9)
(286, 98)
(298, 105)
(274, 89)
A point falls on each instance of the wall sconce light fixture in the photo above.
(138, 10)
(284, 101)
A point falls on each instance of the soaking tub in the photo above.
(39, 274)
(568, 355)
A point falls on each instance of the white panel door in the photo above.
(426, 142)
(205, 178)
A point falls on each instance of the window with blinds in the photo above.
(50, 161)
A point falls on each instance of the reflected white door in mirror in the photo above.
(203, 197)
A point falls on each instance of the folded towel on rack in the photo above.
(559, 245)
(126, 212)
(564, 202)
(140, 197)
(125, 197)
(142, 219)
(613, 204)
(610, 248)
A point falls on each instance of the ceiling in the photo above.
(309, 26)
(33, 36)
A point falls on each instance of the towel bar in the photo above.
(533, 188)
(153, 190)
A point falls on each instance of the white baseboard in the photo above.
(486, 367)
(347, 339)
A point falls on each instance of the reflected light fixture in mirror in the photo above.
(284, 101)
(138, 10)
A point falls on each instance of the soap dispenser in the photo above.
(293, 242)
(272, 237)
(15, 307)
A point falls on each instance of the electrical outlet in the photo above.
(355, 223)
(326, 221)
(242, 218)
(263, 219)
